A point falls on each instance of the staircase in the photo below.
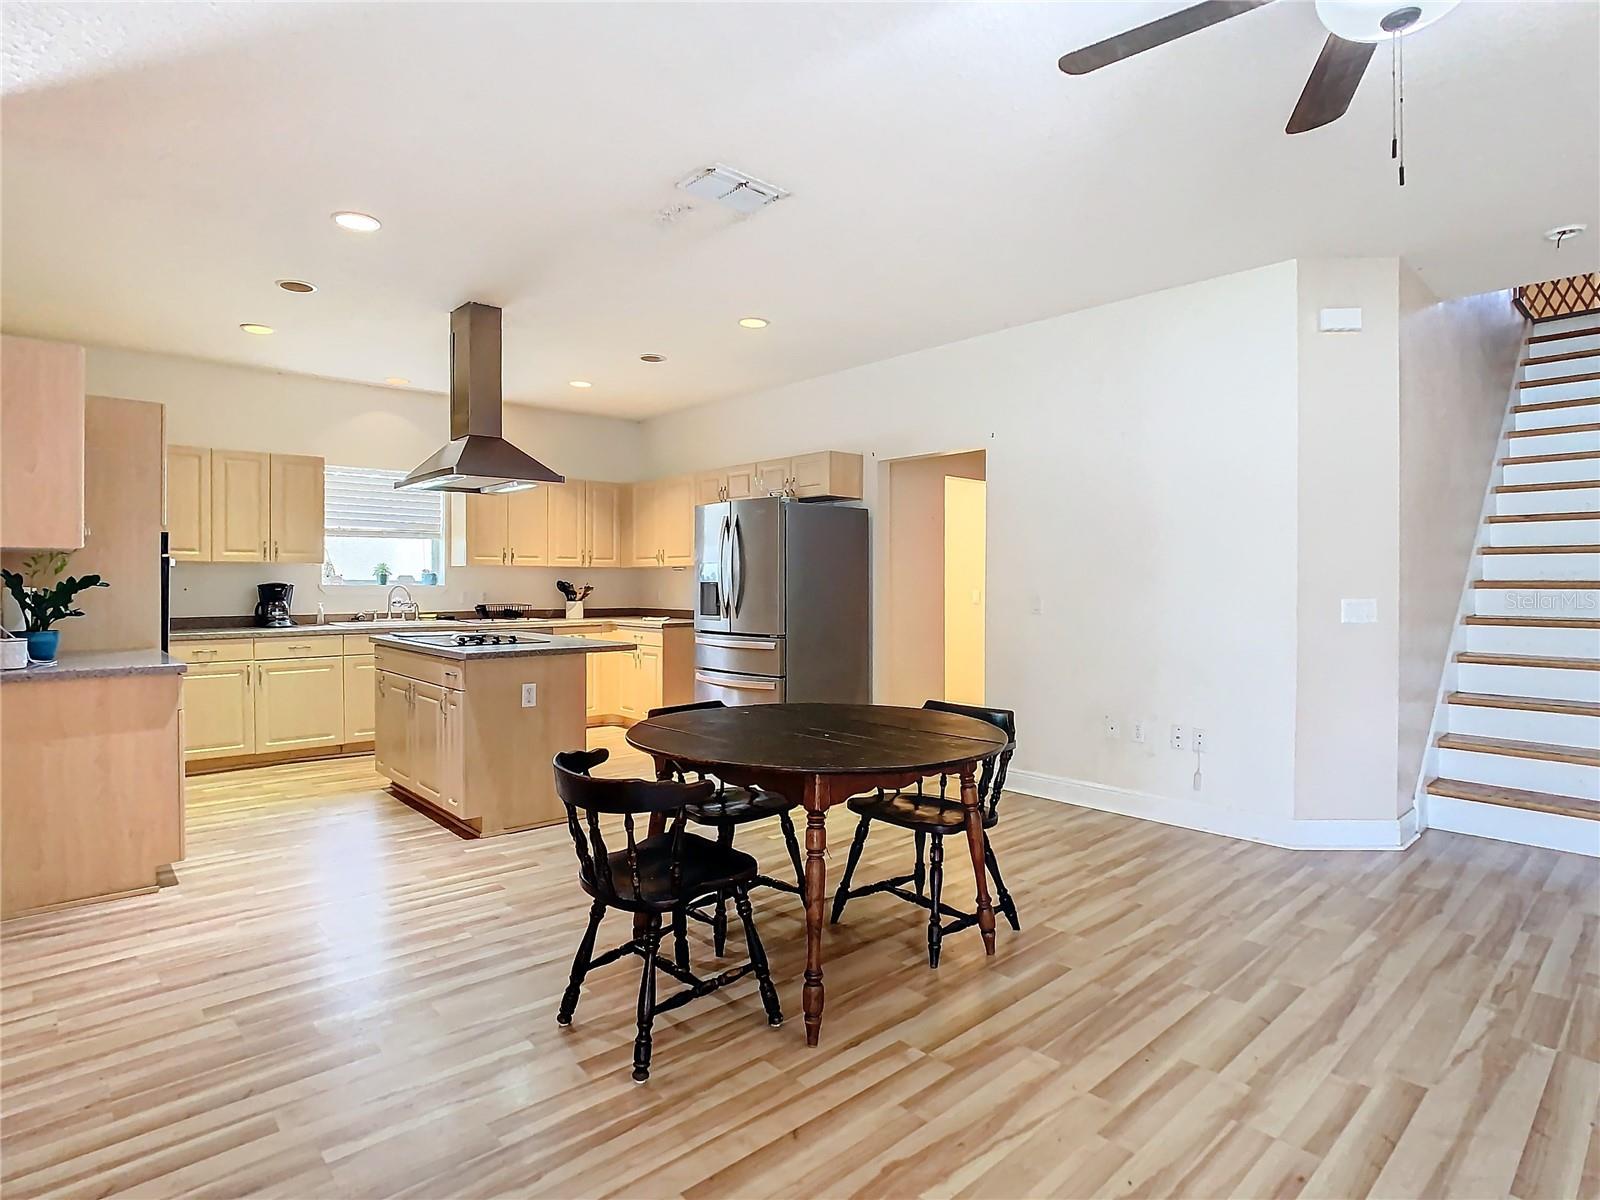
(1519, 757)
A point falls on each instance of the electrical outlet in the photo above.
(1176, 738)
(1112, 728)
(1139, 731)
(530, 695)
(1197, 740)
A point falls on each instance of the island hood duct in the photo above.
(477, 458)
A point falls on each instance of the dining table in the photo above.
(821, 755)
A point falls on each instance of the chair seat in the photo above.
(707, 868)
(928, 813)
(736, 805)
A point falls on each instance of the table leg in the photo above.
(816, 806)
(969, 801)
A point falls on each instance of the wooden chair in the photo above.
(729, 808)
(932, 817)
(652, 878)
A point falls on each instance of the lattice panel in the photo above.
(1560, 297)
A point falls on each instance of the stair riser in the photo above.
(1567, 345)
(1528, 681)
(1536, 602)
(1551, 472)
(1575, 835)
(1541, 566)
(1532, 774)
(1585, 414)
(1556, 643)
(1586, 365)
(1546, 533)
(1561, 325)
(1562, 500)
(1555, 443)
(1560, 729)
(1546, 392)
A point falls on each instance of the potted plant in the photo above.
(430, 578)
(43, 602)
(381, 573)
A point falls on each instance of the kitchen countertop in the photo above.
(529, 648)
(97, 665)
(453, 625)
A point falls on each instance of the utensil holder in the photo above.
(574, 610)
(13, 651)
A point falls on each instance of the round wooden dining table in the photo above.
(821, 755)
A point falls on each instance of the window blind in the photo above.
(363, 502)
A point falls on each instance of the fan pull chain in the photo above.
(1394, 96)
(1400, 107)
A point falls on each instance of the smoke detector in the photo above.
(740, 192)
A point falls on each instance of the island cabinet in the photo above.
(471, 741)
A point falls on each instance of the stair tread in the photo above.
(1550, 662)
(1537, 622)
(1559, 380)
(1552, 485)
(1557, 430)
(1563, 585)
(1524, 518)
(1575, 708)
(1547, 405)
(1488, 793)
(1543, 751)
(1585, 548)
(1563, 334)
(1522, 460)
(1541, 359)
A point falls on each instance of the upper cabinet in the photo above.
(41, 454)
(824, 475)
(528, 527)
(244, 506)
(663, 520)
(604, 527)
(507, 530)
(567, 525)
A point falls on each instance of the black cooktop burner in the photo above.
(486, 639)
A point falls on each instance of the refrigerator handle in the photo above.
(724, 568)
(738, 559)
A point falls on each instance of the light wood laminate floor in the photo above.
(341, 998)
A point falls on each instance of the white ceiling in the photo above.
(165, 163)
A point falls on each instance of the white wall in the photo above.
(244, 408)
(1141, 467)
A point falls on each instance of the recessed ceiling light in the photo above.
(358, 222)
(579, 383)
(652, 358)
(298, 286)
(753, 322)
(258, 330)
(397, 381)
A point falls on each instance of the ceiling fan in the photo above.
(1355, 27)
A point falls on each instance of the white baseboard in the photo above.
(1505, 824)
(1287, 832)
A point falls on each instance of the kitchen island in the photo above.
(469, 729)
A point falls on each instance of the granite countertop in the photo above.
(527, 648)
(99, 664)
(216, 633)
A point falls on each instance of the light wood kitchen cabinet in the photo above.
(299, 704)
(509, 530)
(528, 525)
(391, 751)
(603, 508)
(219, 711)
(297, 506)
(241, 506)
(189, 503)
(709, 487)
(567, 524)
(741, 483)
(426, 743)
(41, 455)
(663, 522)
(772, 476)
(647, 677)
(645, 543)
(827, 474)
(360, 699)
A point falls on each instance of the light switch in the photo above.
(530, 695)
(1358, 612)
(1339, 320)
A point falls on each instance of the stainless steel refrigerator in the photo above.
(781, 606)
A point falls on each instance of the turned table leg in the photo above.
(816, 806)
(969, 801)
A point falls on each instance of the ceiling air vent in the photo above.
(740, 192)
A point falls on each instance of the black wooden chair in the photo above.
(934, 816)
(729, 808)
(652, 878)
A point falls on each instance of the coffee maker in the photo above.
(272, 609)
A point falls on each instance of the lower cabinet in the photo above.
(360, 699)
(299, 704)
(625, 685)
(421, 743)
(391, 751)
(219, 710)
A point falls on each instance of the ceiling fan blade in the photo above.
(1154, 33)
(1332, 84)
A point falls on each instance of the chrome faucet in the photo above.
(408, 608)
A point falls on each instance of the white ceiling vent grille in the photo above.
(740, 192)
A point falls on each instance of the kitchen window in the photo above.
(371, 525)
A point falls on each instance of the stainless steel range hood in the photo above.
(477, 458)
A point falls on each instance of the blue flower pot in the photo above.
(42, 646)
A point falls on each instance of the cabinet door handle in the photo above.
(274, 549)
(263, 549)
(513, 558)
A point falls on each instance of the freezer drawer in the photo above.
(742, 655)
(734, 689)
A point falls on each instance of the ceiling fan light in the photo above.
(1365, 20)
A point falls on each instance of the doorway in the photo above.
(936, 586)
